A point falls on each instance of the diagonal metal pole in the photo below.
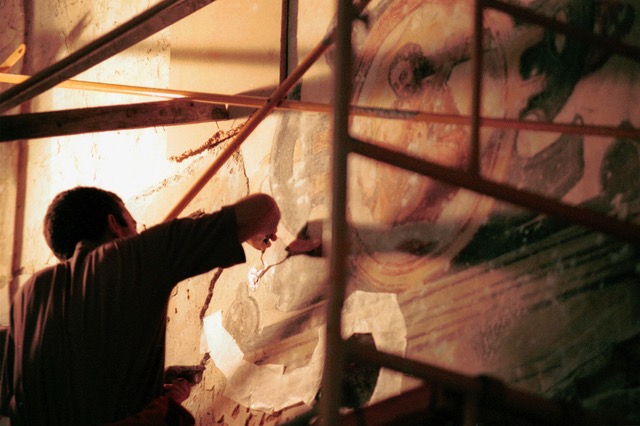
(128, 34)
(251, 124)
(625, 231)
(257, 118)
(527, 15)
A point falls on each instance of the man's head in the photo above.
(85, 213)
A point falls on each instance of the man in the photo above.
(86, 340)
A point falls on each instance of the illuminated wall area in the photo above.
(436, 273)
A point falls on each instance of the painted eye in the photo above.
(403, 76)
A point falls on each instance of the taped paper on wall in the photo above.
(260, 387)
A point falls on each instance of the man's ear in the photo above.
(114, 227)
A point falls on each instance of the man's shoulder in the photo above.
(44, 277)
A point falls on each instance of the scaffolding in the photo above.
(479, 397)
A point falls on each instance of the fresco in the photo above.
(479, 286)
(437, 274)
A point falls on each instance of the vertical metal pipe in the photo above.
(284, 41)
(335, 347)
(18, 225)
(474, 160)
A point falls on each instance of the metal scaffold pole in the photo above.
(335, 347)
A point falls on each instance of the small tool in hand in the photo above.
(298, 246)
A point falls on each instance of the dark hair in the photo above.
(79, 214)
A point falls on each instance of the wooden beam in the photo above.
(131, 32)
(108, 118)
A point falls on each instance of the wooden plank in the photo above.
(131, 32)
(102, 119)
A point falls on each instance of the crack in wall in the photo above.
(213, 142)
(212, 284)
(237, 156)
(218, 137)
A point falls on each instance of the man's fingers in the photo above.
(303, 246)
(268, 238)
(179, 390)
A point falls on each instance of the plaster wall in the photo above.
(436, 274)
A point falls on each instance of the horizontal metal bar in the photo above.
(436, 375)
(412, 404)
(237, 100)
(625, 231)
(411, 407)
(131, 32)
(485, 389)
(360, 111)
(526, 15)
(108, 118)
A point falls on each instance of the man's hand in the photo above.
(308, 241)
(262, 243)
(309, 247)
(179, 390)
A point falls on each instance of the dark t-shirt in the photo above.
(88, 334)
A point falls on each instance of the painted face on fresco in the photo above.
(400, 66)
(408, 69)
(412, 80)
(415, 59)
